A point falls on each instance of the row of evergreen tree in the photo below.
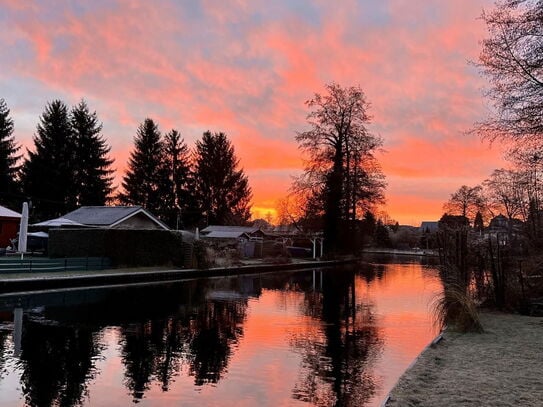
(70, 166)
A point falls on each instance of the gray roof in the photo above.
(8, 213)
(225, 234)
(229, 229)
(58, 222)
(108, 215)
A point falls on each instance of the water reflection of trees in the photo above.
(162, 332)
(193, 328)
(58, 363)
(200, 336)
(217, 328)
(156, 351)
(337, 361)
(151, 350)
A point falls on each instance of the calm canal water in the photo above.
(320, 337)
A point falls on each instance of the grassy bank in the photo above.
(500, 367)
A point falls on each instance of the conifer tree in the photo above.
(222, 190)
(177, 198)
(48, 172)
(9, 186)
(93, 173)
(143, 183)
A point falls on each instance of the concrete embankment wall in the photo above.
(44, 281)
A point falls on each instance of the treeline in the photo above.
(501, 264)
(491, 238)
(514, 193)
(70, 166)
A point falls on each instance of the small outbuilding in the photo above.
(9, 225)
(232, 232)
(247, 239)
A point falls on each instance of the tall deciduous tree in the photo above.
(465, 202)
(506, 192)
(222, 188)
(178, 200)
(512, 60)
(93, 173)
(144, 179)
(9, 185)
(341, 170)
(48, 172)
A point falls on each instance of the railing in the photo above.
(32, 264)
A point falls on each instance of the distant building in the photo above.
(429, 226)
(498, 222)
(118, 217)
(9, 226)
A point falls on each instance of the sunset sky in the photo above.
(246, 67)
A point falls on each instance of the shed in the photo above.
(231, 232)
(245, 238)
(9, 225)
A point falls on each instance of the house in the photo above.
(9, 225)
(498, 223)
(116, 217)
(502, 228)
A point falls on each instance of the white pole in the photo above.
(322, 253)
(314, 241)
(23, 230)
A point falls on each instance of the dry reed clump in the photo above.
(454, 308)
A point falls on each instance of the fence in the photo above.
(13, 264)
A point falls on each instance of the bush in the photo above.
(203, 254)
(455, 309)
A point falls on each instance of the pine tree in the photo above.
(222, 189)
(178, 201)
(48, 173)
(382, 238)
(478, 223)
(93, 173)
(143, 183)
(9, 185)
